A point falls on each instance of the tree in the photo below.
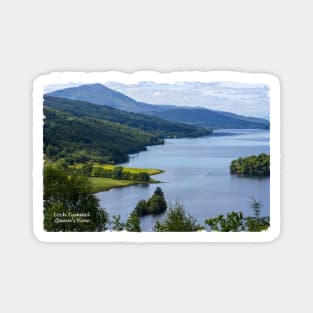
(256, 207)
(134, 176)
(133, 222)
(106, 173)
(62, 164)
(86, 169)
(97, 171)
(117, 223)
(143, 176)
(117, 172)
(177, 220)
(159, 192)
(126, 175)
(69, 204)
(156, 205)
(233, 222)
(251, 165)
(141, 208)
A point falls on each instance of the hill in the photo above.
(144, 122)
(213, 119)
(102, 95)
(80, 132)
(85, 139)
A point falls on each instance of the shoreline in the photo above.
(100, 184)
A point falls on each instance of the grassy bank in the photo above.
(104, 184)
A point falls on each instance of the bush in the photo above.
(233, 222)
(177, 220)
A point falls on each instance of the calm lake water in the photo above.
(197, 175)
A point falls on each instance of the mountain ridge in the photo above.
(198, 116)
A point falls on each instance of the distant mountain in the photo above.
(213, 119)
(79, 131)
(101, 95)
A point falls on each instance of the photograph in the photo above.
(127, 157)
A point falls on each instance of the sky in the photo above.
(241, 98)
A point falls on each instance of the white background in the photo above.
(38, 37)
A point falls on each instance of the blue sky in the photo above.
(247, 99)
(241, 98)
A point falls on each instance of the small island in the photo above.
(258, 166)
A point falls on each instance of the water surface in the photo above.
(197, 175)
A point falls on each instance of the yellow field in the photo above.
(103, 183)
(150, 171)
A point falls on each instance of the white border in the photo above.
(191, 76)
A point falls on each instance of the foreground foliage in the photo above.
(236, 222)
(177, 220)
(69, 204)
(233, 222)
(133, 222)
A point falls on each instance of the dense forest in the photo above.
(81, 132)
(85, 139)
(251, 166)
(144, 122)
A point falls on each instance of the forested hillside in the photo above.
(81, 132)
(144, 122)
(86, 139)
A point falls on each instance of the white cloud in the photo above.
(241, 98)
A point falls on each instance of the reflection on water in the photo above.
(197, 174)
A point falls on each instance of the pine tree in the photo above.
(133, 222)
